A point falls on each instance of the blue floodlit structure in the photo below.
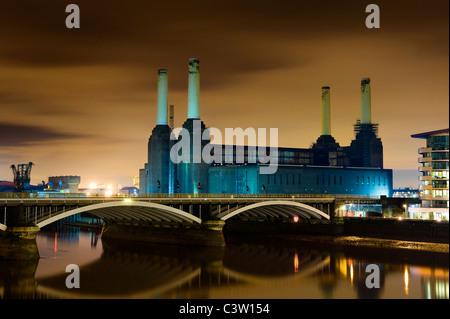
(324, 168)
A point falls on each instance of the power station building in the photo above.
(202, 167)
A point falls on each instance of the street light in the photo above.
(406, 210)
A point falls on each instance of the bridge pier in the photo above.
(18, 242)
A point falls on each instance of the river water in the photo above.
(245, 268)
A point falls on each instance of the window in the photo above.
(440, 184)
(439, 174)
(439, 156)
(299, 178)
(357, 180)
(439, 165)
(437, 193)
(340, 180)
(439, 142)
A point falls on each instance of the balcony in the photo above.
(424, 150)
(424, 159)
(425, 178)
(423, 187)
(426, 196)
(425, 169)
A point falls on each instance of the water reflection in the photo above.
(242, 269)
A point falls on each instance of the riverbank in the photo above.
(366, 242)
(411, 230)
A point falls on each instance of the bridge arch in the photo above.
(287, 209)
(132, 210)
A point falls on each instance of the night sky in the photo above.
(83, 101)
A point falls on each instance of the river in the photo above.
(246, 268)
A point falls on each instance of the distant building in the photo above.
(406, 192)
(102, 190)
(64, 184)
(136, 180)
(6, 187)
(129, 191)
(434, 184)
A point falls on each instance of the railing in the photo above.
(182, 196)
(424, 159)
(38, 195)
(423, 187)
(424, 150)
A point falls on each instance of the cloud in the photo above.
(16, 135)
(232, 37)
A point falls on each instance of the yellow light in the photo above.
(108, 193)
(296, 263)
(93, 186)
(406, 277)
(295, 219)
(351, 275)
(127, 200)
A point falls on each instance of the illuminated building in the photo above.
(64, 184)
(136, 180)
(434, 188)
(325, 168)
(406, 193)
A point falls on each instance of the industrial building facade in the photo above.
(325, 168)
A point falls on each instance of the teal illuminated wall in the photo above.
(244, 179)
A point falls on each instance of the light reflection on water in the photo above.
(243, 269)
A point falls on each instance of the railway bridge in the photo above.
(179, 219)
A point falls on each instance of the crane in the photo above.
(22, 177)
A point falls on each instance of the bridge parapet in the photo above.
(41, 195)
